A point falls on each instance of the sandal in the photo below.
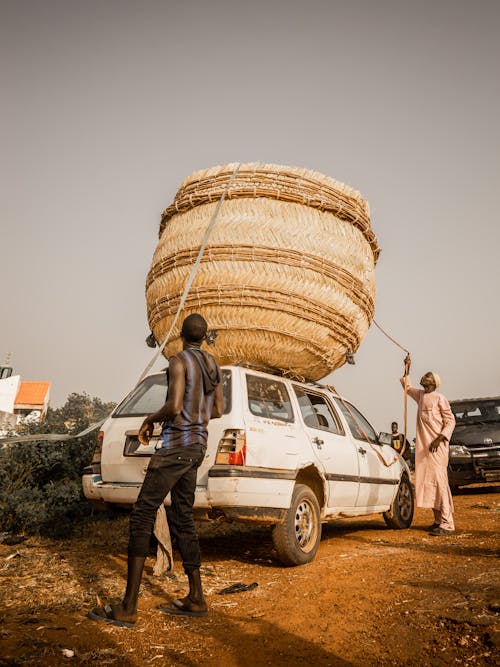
(180, 608)
(106, 615)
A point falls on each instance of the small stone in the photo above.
(68, 653)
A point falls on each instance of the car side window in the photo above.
(269, 398)
(357, 423)
(316, 412)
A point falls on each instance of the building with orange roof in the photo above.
(21, 401)
(32, 397)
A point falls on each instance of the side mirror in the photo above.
(385, 438)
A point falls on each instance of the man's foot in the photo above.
(184, 607)
(441, 531)
(114, 615)
(433, 527)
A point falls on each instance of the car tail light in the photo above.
(96, 458)
(232, 448)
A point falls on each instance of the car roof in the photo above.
(474, 400)
(310, 384)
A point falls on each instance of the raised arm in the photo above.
(406, 383)
(412, 391)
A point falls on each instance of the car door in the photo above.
(377, 477)
(331, 446)
(271, 426)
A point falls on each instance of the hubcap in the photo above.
(305, 528)
(404, 501)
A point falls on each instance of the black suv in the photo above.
(475, 443)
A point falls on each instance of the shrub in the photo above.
(40, 482)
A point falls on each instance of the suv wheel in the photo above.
(401, 513)
(297, 539)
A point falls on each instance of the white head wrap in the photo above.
(437, 379)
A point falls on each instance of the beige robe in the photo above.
(434, 417)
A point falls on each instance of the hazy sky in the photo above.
(108, 105)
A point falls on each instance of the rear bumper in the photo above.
(95, 489)
(250, 495)
(258, 495)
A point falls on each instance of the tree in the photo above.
(40, 482)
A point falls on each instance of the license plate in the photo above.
(134, 448)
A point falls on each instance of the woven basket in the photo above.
(287, 278)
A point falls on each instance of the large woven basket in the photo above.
(287, 278)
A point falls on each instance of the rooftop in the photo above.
(32, 393)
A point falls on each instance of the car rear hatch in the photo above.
(123, 459)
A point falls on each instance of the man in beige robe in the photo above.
(435, 424)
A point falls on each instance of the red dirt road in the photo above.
(372, 596)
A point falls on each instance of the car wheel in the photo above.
(401, 513)
(297, 539)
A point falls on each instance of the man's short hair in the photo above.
(394, 423)
(194, 328)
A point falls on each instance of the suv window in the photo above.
(316, 412)
(357, 423)
(151, 394)
(268, 398)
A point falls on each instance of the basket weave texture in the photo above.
(288, 276)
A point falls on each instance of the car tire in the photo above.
(401, 513)
(297, 539)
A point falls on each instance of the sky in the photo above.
(107, 105)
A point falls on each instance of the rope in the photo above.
(390, 337)
(59, 437)
(405, 399)
(52, 437)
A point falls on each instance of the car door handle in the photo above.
(362, 451)
(318, 442)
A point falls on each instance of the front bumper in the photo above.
(482, 465)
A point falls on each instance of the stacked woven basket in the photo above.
(288, 275)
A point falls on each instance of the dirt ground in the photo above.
(372, 596)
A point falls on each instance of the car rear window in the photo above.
(269, 398)
(151, 394)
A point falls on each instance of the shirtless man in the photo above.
(194, 397)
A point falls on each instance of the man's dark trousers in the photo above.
(170, 470)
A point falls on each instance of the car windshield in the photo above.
(151, 393)
(473, 412)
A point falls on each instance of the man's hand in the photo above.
(433, 447)
(145, 432)
(407, 364)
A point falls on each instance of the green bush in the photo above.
(40, 482)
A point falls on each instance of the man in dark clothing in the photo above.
(398, 441)
(194, 397)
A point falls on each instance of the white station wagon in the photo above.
(285, 453)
